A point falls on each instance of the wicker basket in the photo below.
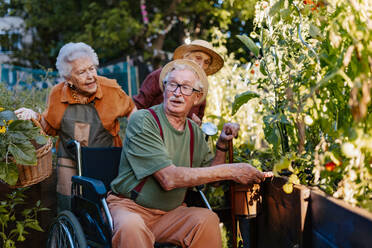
(29, 175)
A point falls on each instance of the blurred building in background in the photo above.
(12, 35)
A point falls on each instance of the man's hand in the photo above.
(229, 131)
(26, 114)
(268, 174)
(245, 173)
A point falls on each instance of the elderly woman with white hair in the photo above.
(84, 107)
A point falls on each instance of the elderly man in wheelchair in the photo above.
(164, 153)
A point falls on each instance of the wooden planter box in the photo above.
(334, 223)
(282, 219)
(309, 218)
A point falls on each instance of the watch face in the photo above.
(209, 128)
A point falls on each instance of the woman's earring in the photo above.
(71, 85)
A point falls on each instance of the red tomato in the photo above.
(252, 71)
(315, 4)
(330, 166)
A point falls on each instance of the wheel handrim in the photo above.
(63, 235)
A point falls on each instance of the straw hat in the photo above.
(196, 68)
(203, 46)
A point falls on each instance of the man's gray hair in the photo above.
(70, 52)
(182, 67)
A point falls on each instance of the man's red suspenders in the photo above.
(138, 188)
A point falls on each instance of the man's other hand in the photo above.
(196, 119)
(245, 173)
(229, 131)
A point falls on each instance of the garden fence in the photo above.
(16, 76)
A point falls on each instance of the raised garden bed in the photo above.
(282, 219)
(309, 218)
(333, 223)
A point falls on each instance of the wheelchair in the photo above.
(89, 223)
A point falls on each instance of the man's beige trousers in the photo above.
(139, 227)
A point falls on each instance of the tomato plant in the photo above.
(315, 87)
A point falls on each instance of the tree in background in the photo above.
(117, 28)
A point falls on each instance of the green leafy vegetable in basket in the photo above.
(16, 145)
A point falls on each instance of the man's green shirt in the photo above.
(145, 152)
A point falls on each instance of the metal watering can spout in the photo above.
(209, 129)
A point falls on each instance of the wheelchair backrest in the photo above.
(101, 163)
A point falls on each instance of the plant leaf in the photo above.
(284, 163)
(241, 99)
(9, 173)
(249, 44)
(283, 119)
(44, 209)
(315, 32)
(275, 8)
(27, 211)
(20, 125)
(34, 225)
(24, 153)
(17, 137)
(41, 139)
(262, 67)
(285, 13)
(7, 115)
(20, 228)
(272, 135)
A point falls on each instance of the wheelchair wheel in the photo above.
(66, 232)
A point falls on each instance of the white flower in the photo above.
(353, 175)
(308, 120)
(349, 150)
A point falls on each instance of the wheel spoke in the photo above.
(66, 232)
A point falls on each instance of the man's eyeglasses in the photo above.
(185, 89)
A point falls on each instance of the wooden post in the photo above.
(137, 79)
(232, 190)
(129, 78)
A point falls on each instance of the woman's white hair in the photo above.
(182, 67)
(70, 52)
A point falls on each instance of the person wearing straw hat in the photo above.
(199, 51)
(165, 153)
(84, 107)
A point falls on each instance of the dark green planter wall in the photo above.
(336, 224)
(308, 218)
(282, 219)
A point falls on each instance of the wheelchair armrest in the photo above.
(95, 185)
